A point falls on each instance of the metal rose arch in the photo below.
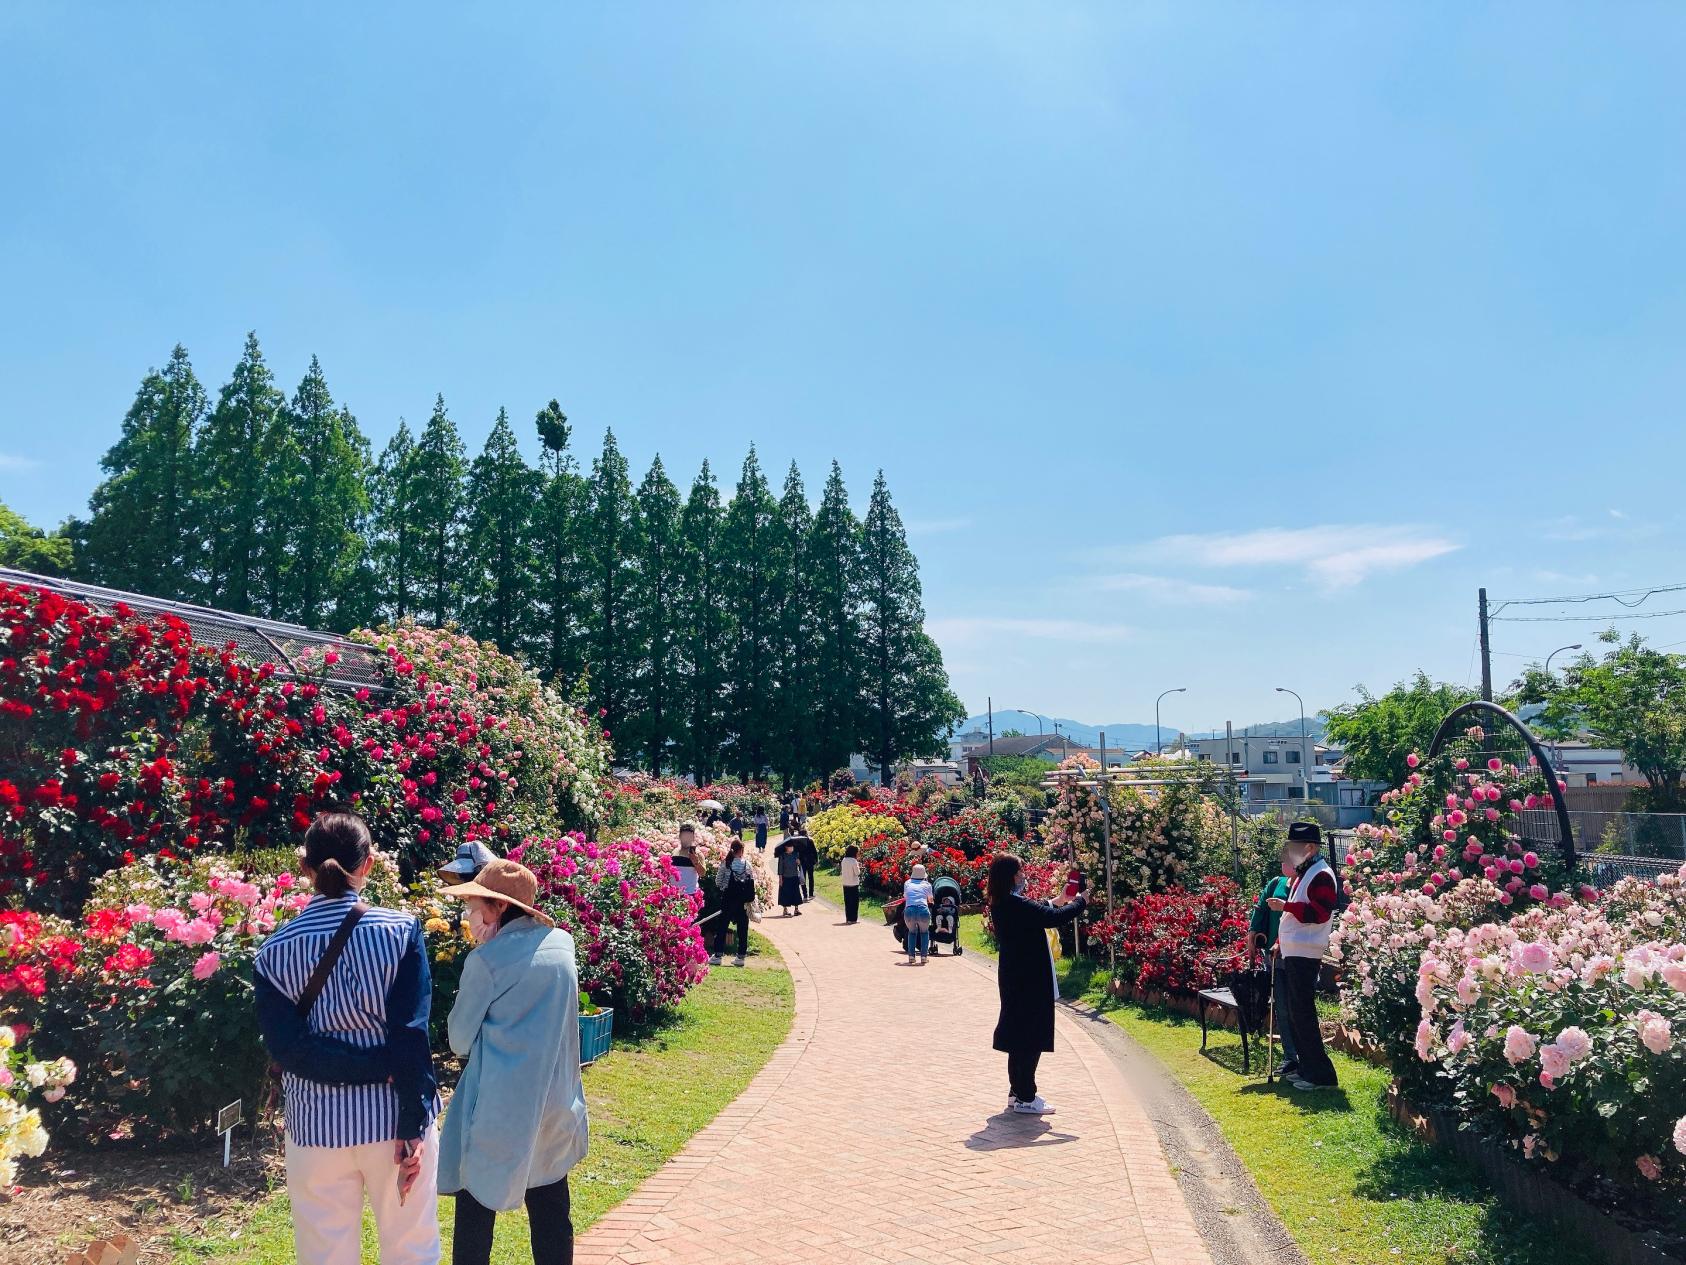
(1506, 737)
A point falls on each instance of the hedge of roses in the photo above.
(121, 738)
(1178, 941)
(635, 934)
(887, 863)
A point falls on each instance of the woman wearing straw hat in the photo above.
(516, 1124)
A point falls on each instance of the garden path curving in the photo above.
(876, 1134)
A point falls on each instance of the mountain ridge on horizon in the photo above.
(1128, 733)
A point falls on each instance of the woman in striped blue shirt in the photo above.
(357, 1072)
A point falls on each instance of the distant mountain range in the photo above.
(1126, 733)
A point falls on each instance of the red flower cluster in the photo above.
(1178, 941)
(887, 862)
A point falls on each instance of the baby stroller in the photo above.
(945, 914)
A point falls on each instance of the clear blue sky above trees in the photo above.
(1218, 348)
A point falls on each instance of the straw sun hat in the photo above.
(508, 881)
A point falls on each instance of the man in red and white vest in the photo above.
(1301, 942)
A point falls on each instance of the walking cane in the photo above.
(1270, 1023)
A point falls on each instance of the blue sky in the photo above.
(1217, 346)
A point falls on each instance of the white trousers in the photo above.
(327, 1186)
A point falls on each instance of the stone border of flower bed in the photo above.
(1528, 1191)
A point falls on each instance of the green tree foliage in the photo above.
(656, 709)
(608, 599)
(1633, 699)
(327, 502)
(1379, 732)
(748, 542)
(561, 528)
(28, 548)
(141, 533)
(835, 571)
(499, 564)
(790, 610)
(240, 481)
(907, 706)
(394, 547)
(436, 514)
(705, 633)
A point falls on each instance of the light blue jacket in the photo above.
(517, 1119)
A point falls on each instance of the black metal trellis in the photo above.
(1541, 827)
(254, 639)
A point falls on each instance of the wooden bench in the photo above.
(1224, 999)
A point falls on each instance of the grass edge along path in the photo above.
(645, 1100)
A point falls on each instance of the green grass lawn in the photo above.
(646, 1098)
(1350, 1184)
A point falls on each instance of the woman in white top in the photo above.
(850, 868)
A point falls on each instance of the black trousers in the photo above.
(851, 903)
(1021, 1073)
(548, 1217)
(730, 915)
(808, 874)
(1299, 983)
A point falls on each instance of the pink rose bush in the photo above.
(1557, 1028)
(635, 932)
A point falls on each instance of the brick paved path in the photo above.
(876, 1134)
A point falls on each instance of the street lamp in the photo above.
(1039, 718)
(1158, 738)
(1557, 652)
(1305, 762)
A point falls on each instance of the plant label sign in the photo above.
(227, 1120)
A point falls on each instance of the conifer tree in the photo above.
(906, 704)
(790, 608)
(746, 542)
(609, 553)
(329, 501)
(436, 514)
(705, 629)
(656, 714)
(834, 568)
(557, 629)
(140, 532)
(234, 485)
(393, 545)
(498, 562)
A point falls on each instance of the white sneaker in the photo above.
(1035, 1107)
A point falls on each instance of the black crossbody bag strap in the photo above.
(330, 956)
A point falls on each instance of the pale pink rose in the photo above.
(1674, 975)
(1654, 1032)
(1575, 1043)
(1424, 1041)
(1469, 989)
(1680, 1135)
(201, 901)
(1647, 1164)
(138, 913)
(1457, 1038)
(1536, 957)
(1519, 1045)
(1554, 1061)
(206, 966)
(1506, 1096)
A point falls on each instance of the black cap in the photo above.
(1305, 832)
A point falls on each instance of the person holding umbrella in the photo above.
(808, 855)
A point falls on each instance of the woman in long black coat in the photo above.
(1025, 974)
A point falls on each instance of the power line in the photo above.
(1578, 619)
(1625, 597)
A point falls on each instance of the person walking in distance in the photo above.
(850, 870)
(808, 853)
(736, 886)
(790, 880)
(343, 995)
(1025, 976)
(517, 1122)
(760, 829)
(1302, 939)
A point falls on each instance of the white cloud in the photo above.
(968, 630)
(11, 461)
(1617, 514)
(1334, 556)
(936, 526)
(1170, 590)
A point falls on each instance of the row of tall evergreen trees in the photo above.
(744, 636)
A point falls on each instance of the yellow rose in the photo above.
(436, 926)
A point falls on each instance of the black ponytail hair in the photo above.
(1003, 874)
(335, 847)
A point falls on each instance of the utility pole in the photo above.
(989, 700)
(1486, 651)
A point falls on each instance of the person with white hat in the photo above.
(916, 914)
(517, 1122)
